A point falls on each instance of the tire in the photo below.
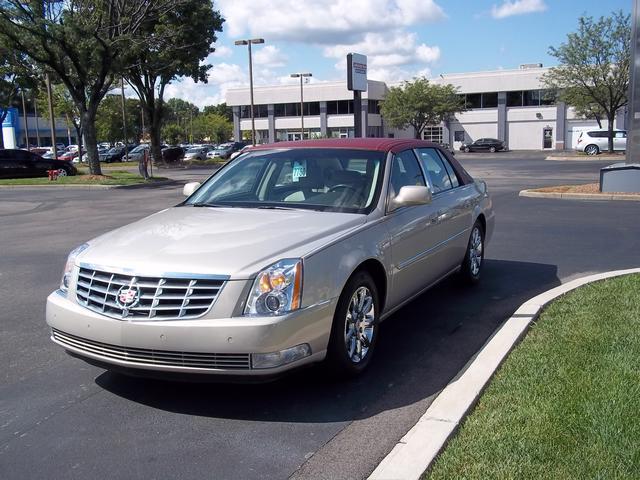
(471, 268)
(467, 149)
(492, 149)
(352, 344)
(591, 150)
(62, 172)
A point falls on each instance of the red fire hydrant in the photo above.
(53, 174)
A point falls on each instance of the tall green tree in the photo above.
(221, 109)
(212, 127)
(420, 103)
(593, 70)
(173, 134)
(84, 42)
(63, 106)
(177, 41)
(109, 127)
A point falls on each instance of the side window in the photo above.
(405, 171)
(621, 134)
(452, 174)
(432, 163)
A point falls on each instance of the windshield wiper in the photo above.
(205, 204)
(274, 207)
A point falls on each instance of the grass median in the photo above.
(565, 403)
(115, 177)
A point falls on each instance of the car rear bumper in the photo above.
(226, 346)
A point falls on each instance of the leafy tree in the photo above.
(180, 111)
(109, 119)
(176, 42)
(594, 67)
(420, 103)
(220, 109)
(63, 106)
(212, 128)
(15, 73)
(173, 134)
(84, 42)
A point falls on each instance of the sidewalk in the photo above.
(582, 157)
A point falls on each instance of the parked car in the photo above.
(196, 153)
(593, 142)
(22, 164)
(224, 150)
(172, 154)
(484, 145)
(116, 154)
(288, 255)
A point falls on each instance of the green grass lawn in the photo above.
(112, 177)
(565, 404)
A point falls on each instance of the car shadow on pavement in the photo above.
(421, 348)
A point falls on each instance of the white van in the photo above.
(592, 142)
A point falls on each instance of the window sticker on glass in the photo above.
(299, 171)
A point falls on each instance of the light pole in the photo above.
(52, 120)
(124, 121)
(248, 43)
(301, 76)
(24, 118)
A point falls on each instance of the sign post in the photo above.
(357, 83)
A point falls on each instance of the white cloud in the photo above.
(323, 21)
(269, 56)
(221, 51)
(517, 7)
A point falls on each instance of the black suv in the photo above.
(484, 145)
(23, 164)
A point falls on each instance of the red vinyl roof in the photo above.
(379, 144)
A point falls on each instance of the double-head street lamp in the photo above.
(301, 76)
(248, 43)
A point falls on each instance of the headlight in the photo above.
(68, 268)
(276, 290)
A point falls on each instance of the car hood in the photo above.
(237, 242)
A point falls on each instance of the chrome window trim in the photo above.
(426, 173)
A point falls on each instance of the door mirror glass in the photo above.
(410, 195)
(189, 188)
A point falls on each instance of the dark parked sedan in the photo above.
(115, 154)
(23, 164)
(484, 145)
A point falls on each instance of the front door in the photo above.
(547, 137)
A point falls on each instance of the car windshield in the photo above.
(325, 179)
(194, 150)
(139, 148)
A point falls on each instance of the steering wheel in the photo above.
(343, 186)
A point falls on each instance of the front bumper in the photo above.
(222, 346)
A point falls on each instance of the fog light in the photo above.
(277, 359)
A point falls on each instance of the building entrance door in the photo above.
(547, 137)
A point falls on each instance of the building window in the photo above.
(432, 134)
(312, 108)
(514, 99)
(374, 106)
(490, 100)
(532, 98)
(345, 107)
(332, 107)
(259, 111)
(344, 132)
(474, 100)
(547, 97)
(458, 136)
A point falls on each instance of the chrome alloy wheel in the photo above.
(62, 172)
(475, 251)
(358, 331)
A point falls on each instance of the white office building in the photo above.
(510, 105)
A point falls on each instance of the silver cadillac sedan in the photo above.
(292, 253)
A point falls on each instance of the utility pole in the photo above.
(52, 121)
(301, 76)
(35, 109)
(26, 125)
(249, 42)
(124, 123)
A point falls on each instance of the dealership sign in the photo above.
(357, 72)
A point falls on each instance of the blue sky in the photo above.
(402, 38)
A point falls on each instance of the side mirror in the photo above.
(410, 195)
(189, 188)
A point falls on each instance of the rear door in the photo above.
(9, 165)
(619, 140)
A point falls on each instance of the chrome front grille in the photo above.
(229, 361)
(154, 298)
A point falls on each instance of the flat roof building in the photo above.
(510, 105)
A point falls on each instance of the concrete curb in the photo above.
(93, 187)
(580, 196)
(417, 450)
(587, 158)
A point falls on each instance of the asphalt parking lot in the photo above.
(61, 418)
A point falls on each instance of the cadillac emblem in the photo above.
(128, 296)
